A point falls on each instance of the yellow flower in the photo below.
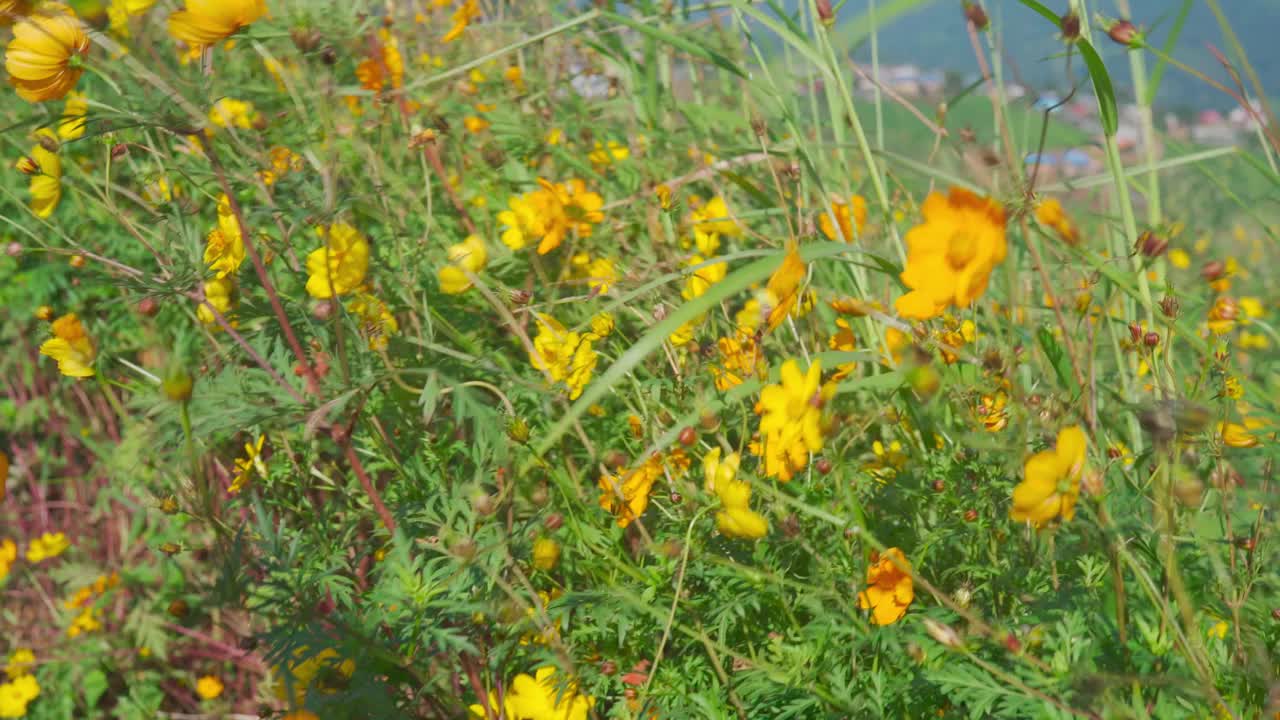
(736, 520)
(45, 57)
(209, 687)
(889, 588)
(8, 554)
(791, 419)
(220, 294)
(783, 289)
(1179, 258)
(469, 10)
(549, 213)
(1243, 434)
(628, 497)
(224, 246)
(851, 216)
(602, 325)
(48, 545)
(710, 221)
(538, 698)
(46, 175)
(608, 153)
(951, 255)
(16, 695)
(546, 554)
(844, 341)
(739, 360)
(230, 112)
(377, 323)
(468, 256)
(703, 278)
(339, 266)
(1223, 315)
(992, 412)
(1219, 630)
(515, 76)
(599, 272)
(564, 356)
(205, 22)
(71, 126)
(247, 465)
(475, 124)
(1050, 214)
(1252, 307)
(21, 660)
(325, 671)
(887, 461)
(71, 347)
(1051, 481)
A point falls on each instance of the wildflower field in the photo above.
(533, 360)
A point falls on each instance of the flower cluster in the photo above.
(551, 213)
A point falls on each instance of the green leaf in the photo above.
(1102, 87)
(1048, 14)
(675, 41)
(94, 685)
(1058, 359)
(1157, 73)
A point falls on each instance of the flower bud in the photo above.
(554, 522)
(178, 608)
(177, 384)
(44, 313)
(1070, 24)
(823, 466)
(970, 515)
(1152, 245)
(27, 165)
(76, 261)
(119, 150)
(974, 13)
(1213, 270)
(13, 249)
(518, 430)
(608, 667)
(464, 549)
(688, 436)
(540, 495)
(322, 310)
(1125, 33)
(482, 503)
(1135, 332)
(1151, 339)
(826, 14)
(942, 633)
(48, 142)
(148, 307)
(1169, 306)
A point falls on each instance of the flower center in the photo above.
(962, 249)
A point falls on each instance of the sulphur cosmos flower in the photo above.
(205, 22)
(791, 419)
(45, 168)
(950, 256)
(889, 588)
(1051, 481)
(71, 347)
(339, 266)
(468, 256)
(850, 216)
(45, 57)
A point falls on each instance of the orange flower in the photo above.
(851, 216)
(1050, 214)
(784, 286)
(44, 59)
(951, 255)
(889, 588)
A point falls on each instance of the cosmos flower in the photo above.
(45, 57)
(950, 256)
(889, 588)
(205, 22)
(1051, 481)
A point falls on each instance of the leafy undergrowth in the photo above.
(505, 360)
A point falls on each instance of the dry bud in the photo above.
(1169, 306)
(119, 150)
(1070, 24)
(148, 306)
(1152, 245)
(1213, 270)
(825, 12)
(942, 633)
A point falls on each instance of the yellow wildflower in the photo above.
(48, 545)
(17, 694)
(8, 554)
(377, 323)
(247, 465)
(1050, 214)
(628, 497)
(602, 325)
(537, 698)
(468, 11)
(20, 663)
(951, 255)
(608, 153)
(889, 587)
(546, 554)
(71, 347)
(325, 671)
(468, 256)
(222, 295)
(564, 356)
(783, 289)
(710, 221)
(1243, 434)
(1051, 481)
(740, 359)
(44, 58)
(851, 216)
(1179, 258)
(206, 22)
(791, 419)
(45, 168)
(703, 277)
(736, 519)
(339, 266)
(209, 687)
(232, 113)
(843, 341)
(71, 126)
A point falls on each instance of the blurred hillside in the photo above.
(931, 34)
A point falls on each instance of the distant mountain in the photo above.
(931, 34)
